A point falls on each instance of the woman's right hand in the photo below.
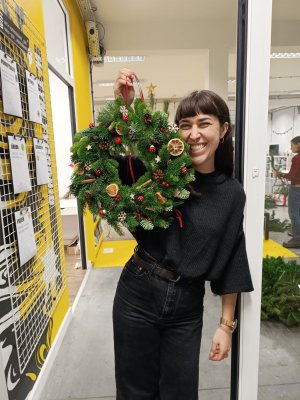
(120, 85)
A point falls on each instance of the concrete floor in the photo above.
(84, 367)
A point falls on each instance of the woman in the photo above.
(158, 306)
(293, 194)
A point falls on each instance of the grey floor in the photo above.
(84, 367)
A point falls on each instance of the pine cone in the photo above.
(138, 215)
(158, 174)
(103, 146)
(132, 135)
(88, 194)
(147, 118)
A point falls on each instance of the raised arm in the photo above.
(120, 84)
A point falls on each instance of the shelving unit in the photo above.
(282, 163)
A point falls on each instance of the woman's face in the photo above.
(203, 133)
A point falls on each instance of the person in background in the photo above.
(158, 306)
(293, 194)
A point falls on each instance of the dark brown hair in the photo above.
(296, 140)
(208, 102)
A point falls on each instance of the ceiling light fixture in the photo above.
(285, 55)
(106, 84)
(124, 58)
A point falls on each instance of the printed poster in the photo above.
(34, 105)
(10, 86)
(25, 234)
(19, 164)
(42, 174)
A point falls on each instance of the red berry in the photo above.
(161, 129)
(118, 140)
(117, 197)
(101, 212)
(91, 125)
(98, 172)
(125, 117)
(166, 184)
(183, 170)
(152, 149)
(149, 219)
(140, 198)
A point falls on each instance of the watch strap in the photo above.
(227, 322)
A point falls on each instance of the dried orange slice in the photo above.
(112, 190)
(175, 147)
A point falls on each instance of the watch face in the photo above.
(230, 324)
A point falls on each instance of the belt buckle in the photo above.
(177, 279)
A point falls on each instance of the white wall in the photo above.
(56, 27)
(189, 71)
(283, 125)
(61, 118)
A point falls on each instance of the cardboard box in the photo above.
(73, 249)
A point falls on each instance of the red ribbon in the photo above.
(126, 93)
(131, 169)
(179, 217)
(127, 99)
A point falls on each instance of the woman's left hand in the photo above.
(221, 345)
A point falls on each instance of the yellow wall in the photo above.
(80, 66)
(34, 10)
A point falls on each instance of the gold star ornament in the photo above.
(151, 88)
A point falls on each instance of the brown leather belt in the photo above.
(139, 259)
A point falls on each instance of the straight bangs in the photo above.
(205, 102)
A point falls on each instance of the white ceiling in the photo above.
(176, 37)
(178, 10)
(160, 10)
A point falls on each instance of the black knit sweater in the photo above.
(211, 243)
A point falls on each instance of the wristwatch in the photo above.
(231, 324)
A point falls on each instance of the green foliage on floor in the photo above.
(269, 202)
(276, 225)
(280, 291)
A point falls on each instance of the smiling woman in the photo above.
(158, 306)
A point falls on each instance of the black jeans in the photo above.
(157, 335)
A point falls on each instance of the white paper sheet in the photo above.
(25, 235)
(10, 86)
(35, 113)
(19, 164)
(42, 174)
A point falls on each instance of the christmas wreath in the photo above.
(124, 131)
